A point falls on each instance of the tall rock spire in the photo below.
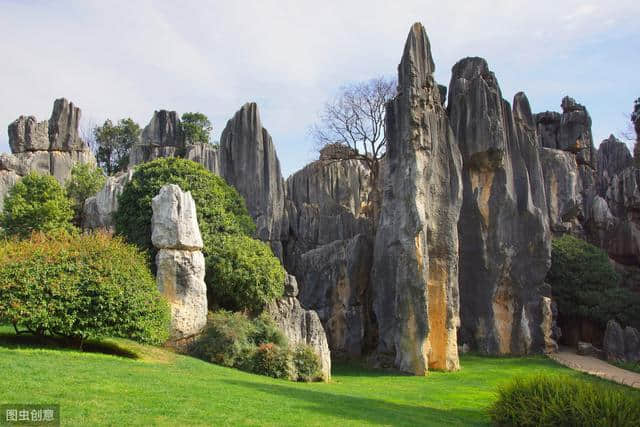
(415, 273)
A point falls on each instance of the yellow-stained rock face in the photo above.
(503, 310)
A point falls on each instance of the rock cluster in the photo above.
(49, 147)
(179, 262)
(98, 210)
(301, 326)
(621, 345)
(415, 262)
(162, 137)
(504, 233)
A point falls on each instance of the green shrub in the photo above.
(243, 273)
(585, 285)
(80, 286)
(85, 181)
(563, 401)
(36, 203)
(306, 363)
(196, 128)
(220, 208)
(273, 361)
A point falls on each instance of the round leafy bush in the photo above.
(80, 286)
(220, 208)
(306, 363)
(274, 361)
(243, 273)
(585, 285)
(231, 339)
(563, 401)
(36, 203)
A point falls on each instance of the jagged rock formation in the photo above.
(98, 210)
(49, 147)
(248, 161)
(504, 232)
(206, 154)
(162, 137)
(329, 248)
(613, 157)
(179, 261)
(415, 267)
(301, 326)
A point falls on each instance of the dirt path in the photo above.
(596, 367)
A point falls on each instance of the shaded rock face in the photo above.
(504, 232)
(162, 137)
(562, 186)
(49, 147)
(613, 157)
(415, 262)
(248, 161)
(98, 210)
(623, 198)
(301, 326)
(205, 154)
(329, 249)
(613, 342)
(180, 263)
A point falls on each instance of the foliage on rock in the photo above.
(254, 345)
(86, 180)
(196, 128)
(560, 400)
(80, 286)
(243, 273)
(36, 203)
(114, 144)
(585, 285)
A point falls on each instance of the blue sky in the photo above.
(120, 59)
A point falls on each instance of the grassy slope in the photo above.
(164, 389)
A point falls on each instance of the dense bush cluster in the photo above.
(585, 285)
(254, 345)
(563, 401)
(242, 273)
(80, 286)
(36, 203)
(85, 181)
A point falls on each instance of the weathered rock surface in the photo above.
(301, 326)
(562, 189)
(415, 267)
(613, 157)
(205, 154)
(248, 161)
(504, 232)
(162, 137)
(329, 249)
(631, 344)
(588, 349)
(49, 147)
(174, 223)
(613, 342)
(98, 210)
(180, 264)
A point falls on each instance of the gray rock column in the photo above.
(415, 262)
(179, 261)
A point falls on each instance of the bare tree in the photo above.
(635, 120)
(351, 126)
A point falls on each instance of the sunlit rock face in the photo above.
(162, 137)
(248, 161)
(415, 262)
(504, 231)
(179, 261)
(51, 147)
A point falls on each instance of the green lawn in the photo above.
(160, 388)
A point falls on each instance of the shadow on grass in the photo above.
(374, 411)
(11, 340)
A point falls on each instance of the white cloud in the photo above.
(126, 58)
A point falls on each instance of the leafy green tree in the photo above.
(85, 181)
(196, 128)
(585, 285)
(80, 286)
(241, 277)
(114, 144)
(36, 203)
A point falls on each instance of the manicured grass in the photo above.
(160, 388)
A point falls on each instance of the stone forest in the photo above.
(453, 259)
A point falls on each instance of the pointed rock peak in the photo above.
(416, 64)
(471, 68)
(569, 104)
(522, 109)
